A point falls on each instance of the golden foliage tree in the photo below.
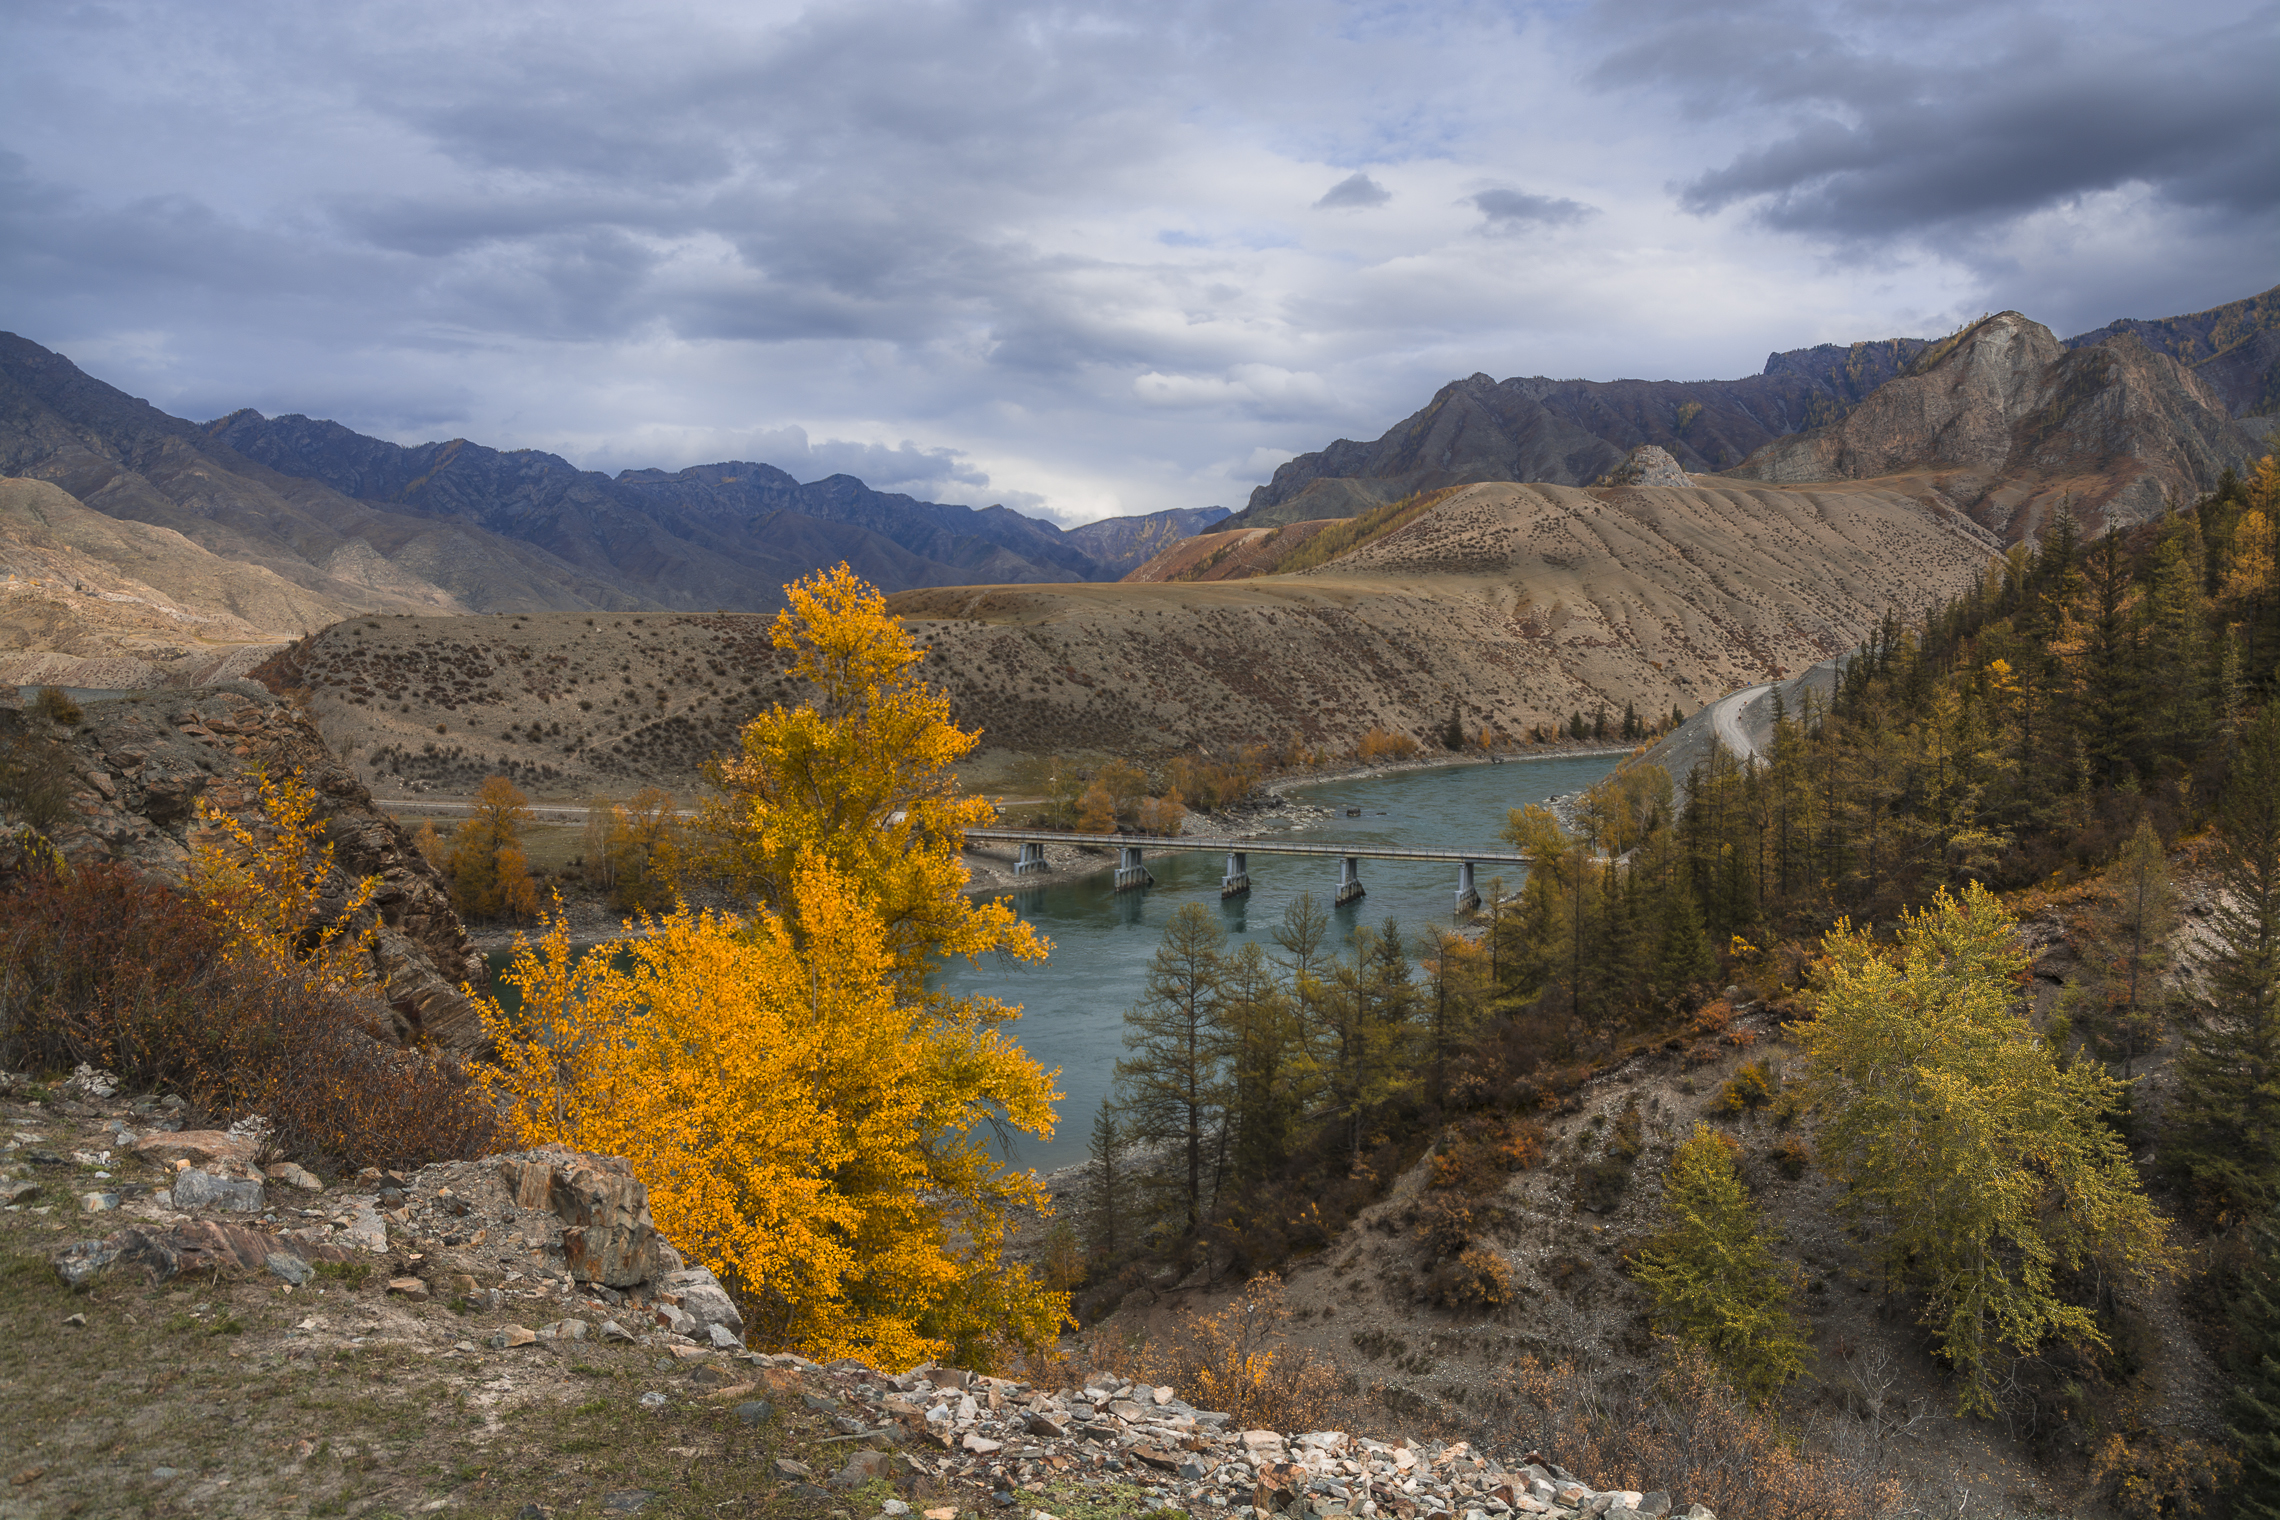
(801, 1105)
(490, 875)
(264, 883)
(1984, 1165)
(802, 1127)
(860, 780)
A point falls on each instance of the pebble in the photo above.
(653, 1400)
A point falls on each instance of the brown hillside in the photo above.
(1228, 556)
(1516, 605)
(90, 600)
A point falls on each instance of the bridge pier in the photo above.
(1129, 872)
(1468, 895)
(1349, 882)
(1032, 859)
(1237, 881)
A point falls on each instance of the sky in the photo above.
(1084, 259)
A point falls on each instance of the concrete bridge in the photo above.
(1131, 874)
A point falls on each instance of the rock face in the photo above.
(2007, 424)
(2234, 347)
(608, 1237)
(142, 762)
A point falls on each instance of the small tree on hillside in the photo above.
(1713, 1275)
(1980, 1165)
(2224, 1124)
(2123, 997)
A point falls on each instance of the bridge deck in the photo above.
(1171, 842)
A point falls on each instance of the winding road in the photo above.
(1725, 721)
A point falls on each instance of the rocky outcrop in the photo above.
(142, 762)
(2234, 347)
(1649, 466)
(2005, 423)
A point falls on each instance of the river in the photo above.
(1073, 1004)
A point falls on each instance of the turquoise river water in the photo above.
(1073, 1004)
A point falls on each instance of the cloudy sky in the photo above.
(1080, 258)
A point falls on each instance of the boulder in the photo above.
(199, 1147)
(204, 1190)
(700, 1295)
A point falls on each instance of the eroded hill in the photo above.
(1510, 605)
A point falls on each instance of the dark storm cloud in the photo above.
(1355, 190)
(1511, 210)
(1069, 246)
(2010, 111)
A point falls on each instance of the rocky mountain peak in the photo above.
(2012, 426)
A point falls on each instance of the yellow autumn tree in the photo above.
(490, 874)
(859, 779)
(802, 1106)
(802, 1128)
(1982, 1166)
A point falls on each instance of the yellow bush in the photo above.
(1384, 744)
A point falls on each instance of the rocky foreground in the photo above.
(495, 1299)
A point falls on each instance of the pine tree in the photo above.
(1713, 1274)
(1105, 1190)
(2123, 997)
(2225, 1121)
(1265, 1100)
(1172, 1087)
(2252, 1414)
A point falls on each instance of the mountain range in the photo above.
(2153, 407)
(367, 525)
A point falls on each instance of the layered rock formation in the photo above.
(142, 763)
(2004, 422)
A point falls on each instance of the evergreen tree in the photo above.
(1713, 1274)
(2252, 1414)
(2123, 997)
(2225, 1121)
(1265, 1099)
(1105, 1200)
(1172, 1085)
(1361, 1031)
